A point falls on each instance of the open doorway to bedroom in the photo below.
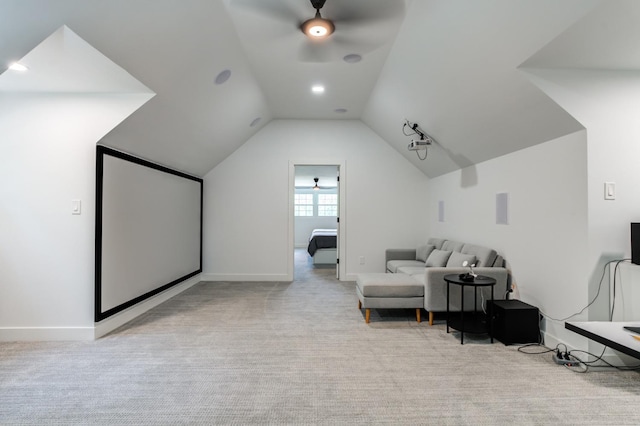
(316, 212)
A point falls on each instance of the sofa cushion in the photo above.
(438, 258)
(411, 270)
(436, 242)
(499, 262)
(484, 255)
(457, 259)
(388, 285)
(423, 252)
(393, 265)
(452, 246)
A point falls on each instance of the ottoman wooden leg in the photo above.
(418, 314)
(367, 315)
(430, 318)
(359, 304)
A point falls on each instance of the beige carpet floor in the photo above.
(297, 353)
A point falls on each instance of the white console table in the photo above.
(611, 334)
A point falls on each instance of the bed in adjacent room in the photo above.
(323, 245)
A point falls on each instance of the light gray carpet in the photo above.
(297, 353)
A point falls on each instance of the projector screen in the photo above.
(148, 230)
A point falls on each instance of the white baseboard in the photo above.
(108, 325)
(36, 334)
(551, 341)
(246, 277)
(30, 334)
(259, 277)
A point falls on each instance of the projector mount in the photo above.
(417, 144)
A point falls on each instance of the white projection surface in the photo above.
(148, 230)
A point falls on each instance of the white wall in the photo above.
(545, 241)
(247, 230)
(51, 118)
(562, 231)
(607, 104)
(47, 254)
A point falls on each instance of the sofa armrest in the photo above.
(435, 297)
(399, 254)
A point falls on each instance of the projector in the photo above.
(417, 145)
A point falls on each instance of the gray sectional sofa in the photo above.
(429, 264)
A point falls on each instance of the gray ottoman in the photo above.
(389, 291)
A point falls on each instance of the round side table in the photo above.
(476, 325)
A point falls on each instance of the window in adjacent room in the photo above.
(303, 205)
(327, 204)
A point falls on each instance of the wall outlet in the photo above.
(362, 260)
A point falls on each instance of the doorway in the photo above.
(315, 217)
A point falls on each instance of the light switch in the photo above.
(609, 190)
(76, 207)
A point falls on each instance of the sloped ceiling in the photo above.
(174, 47)
(450, 65)
(454, 71)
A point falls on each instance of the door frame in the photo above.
(341, 268)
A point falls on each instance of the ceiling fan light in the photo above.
(318, 30)
(318, 27)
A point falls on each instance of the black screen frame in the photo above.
(101, 152)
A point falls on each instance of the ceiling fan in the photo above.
(316, 185)
(339, 27)
(318, 27)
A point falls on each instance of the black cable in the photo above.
(600, 359)
(570, 354)
(579, 361)
(559, 349)
(408, 134)
(615, 272)
(546, 349)
(604, 269)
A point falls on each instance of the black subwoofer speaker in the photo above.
(514, 321)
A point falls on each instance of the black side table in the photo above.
(470, 326)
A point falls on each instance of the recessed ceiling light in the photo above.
(223, 77)
(340, 110)
(352, 58)
(16, 66)
(255, 121)
(317, 89)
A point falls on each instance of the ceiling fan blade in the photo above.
(313, 51)
(354, 43)
(364, 11)
(275, 10)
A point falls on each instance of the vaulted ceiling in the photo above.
(222, 69)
